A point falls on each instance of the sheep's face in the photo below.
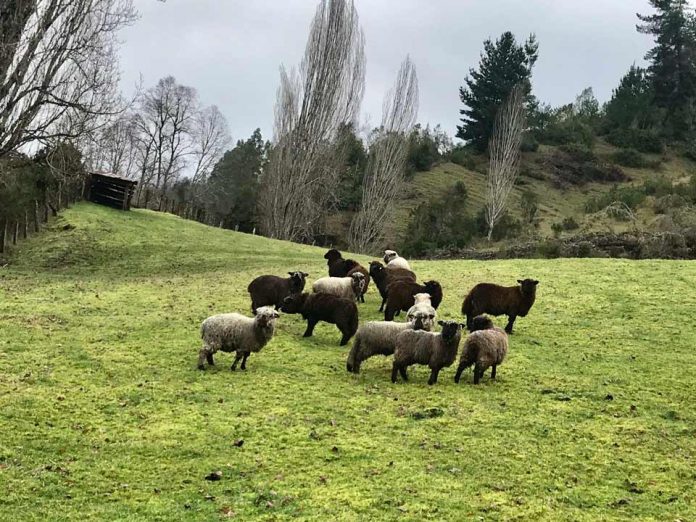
(421, 298)
(266, 316)
(422, 320)
(432, 287)
(376, 268)
(450, 329)
(389, 255)
(292, 304)
(481, 322)
(358, 282)
(332, 255)
(528, 286)
(297, 281)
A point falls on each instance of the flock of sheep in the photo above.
(334, 299)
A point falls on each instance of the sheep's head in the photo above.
(332, 255)
(528, 286)
(481, 322)
(421, 320)
(433, 288)
(266, 316)
(376, 268)
(292, 304)
(358, 282)
(389, 255)
(421, 298)
(297, 281)
(450, 329)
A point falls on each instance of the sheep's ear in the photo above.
(291, 273)
(441, 323)
(535, 282)
(276, 315)
(463, 325)
(520, 281)
(305, 274)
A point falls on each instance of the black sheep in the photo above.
(488, 298)
(383, 277)
(270, 290)
(324, 307)
(339, 267)
(400, 296)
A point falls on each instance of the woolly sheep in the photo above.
(339, 267)
(383, 277)
(236, 333)
(379, 338)
(394, 260)
(513, 301)
(422, 307)
(400, 296)
(324, 307)
(270, 290)
(485, 347)
(346, 287)
(437, 350)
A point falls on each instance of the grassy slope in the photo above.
(104, 414)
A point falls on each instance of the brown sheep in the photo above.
(339, 267)
(324, 307)
(513, 301)
(383, 277)
(270, 290)
(486, 346)
(400, 296)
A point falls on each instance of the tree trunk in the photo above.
(36, 215)
(15, 232)
(25, 231)
(3, 226)
(60, 195)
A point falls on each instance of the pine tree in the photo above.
(630, 104)
(503, 65)
(672, 69)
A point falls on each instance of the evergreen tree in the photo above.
(630, 104)
(672, 69)
(503, 65)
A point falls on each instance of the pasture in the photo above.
(105, 416)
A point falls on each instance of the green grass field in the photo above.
(105, 417)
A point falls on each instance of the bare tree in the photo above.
(210, 137)
(62, 74)
(311, 107)
(504, 151)
(387, 161)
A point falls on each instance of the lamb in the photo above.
(485, 347)
(346, 287)
(394, 260)
(437, 350)
(422, 307)
(270, 290)
(339, 267)
(383, 277)
(513, 301)
(324, 307)
(236, 333)
(379, 338)
(400, 296)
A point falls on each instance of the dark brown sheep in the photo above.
(324, 307)
(437, 350)
(400, 296)
(513, 301)
(486, 346)
(383, 277)
(339, 267)
(270, 290)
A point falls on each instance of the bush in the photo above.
(665, 203)
(506, 227)
(642, 140)
(629, 196)
(567, 132)
(579, 152)
(529, 143)
(576, 165)
(463, 157)
(630, 158)
(658, 186)
(530, 205)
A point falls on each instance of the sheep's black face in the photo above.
(297, 282)
(292, 304)
(449, 328)
(481, 322)
(528, 285)
(432, 286)
(332, 255)
(375, 268)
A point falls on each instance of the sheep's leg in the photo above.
(209, 357)
(238, 355)
(381, 307)
(511, 321)
(362, 298)
(433, 376)
(493, 371)
(246, 356)
(404, 375)
(478, 373)
(395, 371)
(311, 323)
(469, 321)
(202, 356)
(462, 366)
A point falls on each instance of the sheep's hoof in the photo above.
(232, 368)
(201, 367)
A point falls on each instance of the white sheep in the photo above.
(379, 338)
(346, 287)
(424, 308)
(236, 333)
(394, 260)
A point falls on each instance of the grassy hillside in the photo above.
(104, 415)
(555, 203)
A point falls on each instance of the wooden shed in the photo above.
(110, 190)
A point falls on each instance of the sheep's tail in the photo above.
(350, 363)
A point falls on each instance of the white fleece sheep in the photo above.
(346, 287)
(236, 333)
(424, 308)
(394, 260)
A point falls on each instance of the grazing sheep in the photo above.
(324, 307)
(513, 301)
(400, 296)
(486, 346)
(437, 350)
(394, 260)
(339, 267)
(236, 333)
(379, 338)
(383, 277)
(270, 290)
(346, 287)
(423, 307)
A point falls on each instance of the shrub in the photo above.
(549, 249)
(567, 132)
(530, 205)
(576, 165)
(665, 203)
(529, 143)
(630, 158)
(463, 157)
(639, 139)
(629, 196)
(506, 227)
(658, 186)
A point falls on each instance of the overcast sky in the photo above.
(230, 50)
